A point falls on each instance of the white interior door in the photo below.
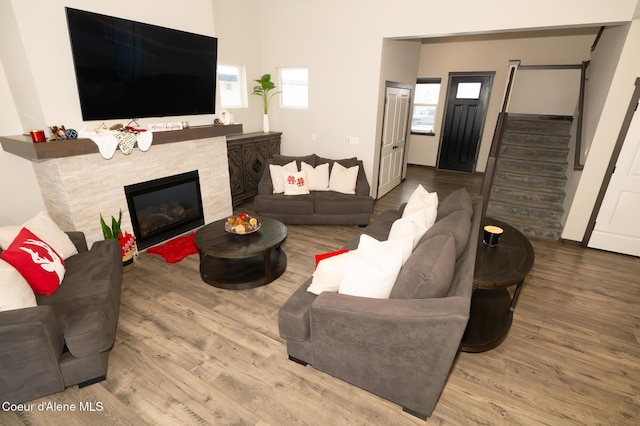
(394, 138)
(617, 226)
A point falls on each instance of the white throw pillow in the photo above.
(404, 244)
(342, 179)
(46, 229)
(276, 175)
(317, 177)
(425, 201)
(373, 271)
(15, 292)
(328, 273)
(295, 183)
(413, 225)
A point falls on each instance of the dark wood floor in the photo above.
(187, 353)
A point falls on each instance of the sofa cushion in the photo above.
(323, 256)
(328, 275)
(413, 224)
(343, 179)
(281, 160)
(87, 304)
(317, 177)
(424, 201)
(335, 203)
(283, 204)
(40, 265)
(295, 183)
(457, 224)
(457, 200)
(276, 171)
(429, 271)
(15, 292)
(45, 228)
(372, 269)
(344, 162)
(379, 228)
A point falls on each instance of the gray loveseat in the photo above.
(318, 207)
(66, 339)
(401, 348)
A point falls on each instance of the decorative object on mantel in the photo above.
(124, 137)
(127, 241)
(266, 86)
(225, 117)
(57, 133)
(166, 127)
(37, 136)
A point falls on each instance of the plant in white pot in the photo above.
(263, 89)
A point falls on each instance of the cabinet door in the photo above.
(254, 160)
(234, 156)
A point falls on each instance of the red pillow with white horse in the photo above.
(40, 265)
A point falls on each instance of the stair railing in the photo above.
(490, 170)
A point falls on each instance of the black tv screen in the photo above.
(126, 69)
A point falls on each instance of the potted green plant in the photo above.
(127, 241)
(264, 88)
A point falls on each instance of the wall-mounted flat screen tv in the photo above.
(126, 69)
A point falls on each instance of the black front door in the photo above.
(467, 100)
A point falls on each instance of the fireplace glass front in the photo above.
(164, 208)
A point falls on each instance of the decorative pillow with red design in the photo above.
(40, 265)
(295, 183)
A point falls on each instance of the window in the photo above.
(294, 83)
(232, 86)
(424, 105)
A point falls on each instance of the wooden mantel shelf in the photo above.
(22, 146)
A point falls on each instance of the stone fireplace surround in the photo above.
(77, 188)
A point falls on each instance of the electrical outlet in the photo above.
(353, 140)
(314, 136)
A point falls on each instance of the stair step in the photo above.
(535, 139)
(558, 155)
(530, 180)
(551, 125)
(532, 228)
(514, 165)
(539, 215)
(526, 195)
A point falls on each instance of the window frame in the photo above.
(282, 88)
(425, 80)
(242, 86)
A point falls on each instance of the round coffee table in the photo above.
(496, 269)
(238, 262)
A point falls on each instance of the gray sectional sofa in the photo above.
(66, 339)
(401, 348)
(317, 207)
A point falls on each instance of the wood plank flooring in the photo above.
(190, 354)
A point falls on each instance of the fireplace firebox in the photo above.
(164, 208)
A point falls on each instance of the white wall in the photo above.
(238, 30)
(399, 65)
(19, 192)
(341, 42)
(600, 73)
(605, 136)
(439, 56)
(38, 88)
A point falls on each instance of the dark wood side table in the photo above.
(497, 269)
(239, 262)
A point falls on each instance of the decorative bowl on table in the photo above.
(241, 224)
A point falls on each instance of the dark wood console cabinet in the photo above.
(248, 154)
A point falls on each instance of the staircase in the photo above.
(528, 185)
